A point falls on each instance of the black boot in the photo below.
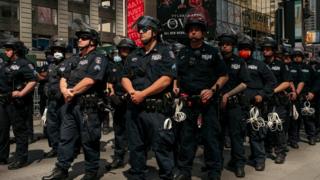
(181, 177)
(260, 166)
(116, 163)
(280, 159)
(17, 164)
(90, 176)
(239, 172)
(51, 154)
(312, 141)
(57, 174)
(294, 145)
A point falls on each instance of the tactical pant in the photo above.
(83, 124)
(12, 114)
(277, 139)
(256, 140)
(145, 130)
(233, 118)
(120, 134)
(211, 133)
(29, 115)
(53, 123)
(293, 129)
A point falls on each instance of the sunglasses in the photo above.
(143, 29)
(85, 37)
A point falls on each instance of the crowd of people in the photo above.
(165, 97)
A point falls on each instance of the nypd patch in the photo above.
(275, 68)
(15, 67)
(235, 66)
(253, 67)
(98, 60)
(156, 57)
(206, 56)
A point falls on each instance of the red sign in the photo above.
(135, 10)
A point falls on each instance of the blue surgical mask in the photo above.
(117, 59)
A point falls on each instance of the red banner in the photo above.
(135, 10)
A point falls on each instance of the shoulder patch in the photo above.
(1, 60)
(174, 67)
(31, 66)
(172, 54)
(98, 60)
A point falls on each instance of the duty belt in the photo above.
(153, 105)
(233, 100)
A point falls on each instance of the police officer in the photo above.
(279, 102)
(260, 88)
(147, 75)
(82, 86)
(233, 116)
(117, 96)
(302, 93)
(201, 73)
(297, 81)
(17, 82)
(55, 99)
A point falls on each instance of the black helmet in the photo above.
(245, 41)
(18, 47)
(59, 43)
(127, 43)
(148, 21)
(298, 52)
(227, 38)
(286, 49)
(195, 19)
(90, 34)
(269, 42)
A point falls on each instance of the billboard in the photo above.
(135, 9)
(171, 14)
(298, 19)
(313, 37)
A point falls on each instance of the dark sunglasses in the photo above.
(85, 37)
(143, 29)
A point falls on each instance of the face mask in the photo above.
(58, 55)
(117, 58)
(245, 54)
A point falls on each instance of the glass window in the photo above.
(46, 15)
(83, 17)
(9, 9)
(106, 3)
(106, 25)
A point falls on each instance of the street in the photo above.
(301, 164)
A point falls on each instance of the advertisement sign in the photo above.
(171, 14)
(135, 10)
(313, 37)
(298, 20)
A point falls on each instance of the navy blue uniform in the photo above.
(293, 129)
(279, 103)
(199, 69)
(233, 117)
(55, 101)
(80, 117)
(262, 83)
(120, 105)
(14, 75)
(308, 79)
(145, 125)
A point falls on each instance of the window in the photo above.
(107, 25)
(107, 3)
(9, 9)
(83, 17)
(44, 15)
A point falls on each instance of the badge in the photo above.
(97, 68)
(62, 69)
(114, 70)
(98, 60)
(134, 59)
(172, 54)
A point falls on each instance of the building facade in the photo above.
(36, 21)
